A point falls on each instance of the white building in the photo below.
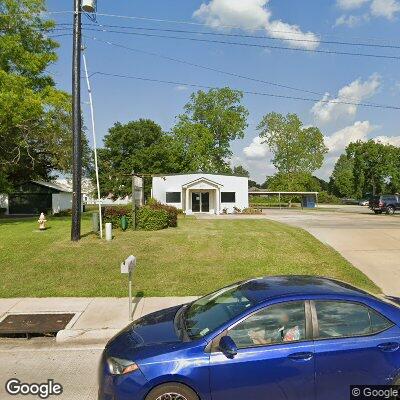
(202, 193)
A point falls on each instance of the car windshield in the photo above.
(214, 310)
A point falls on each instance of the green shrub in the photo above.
(113, 214)
(326, 198)
(152, 219)
(2, 210)
(172, 211)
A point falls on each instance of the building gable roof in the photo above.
(204, 180)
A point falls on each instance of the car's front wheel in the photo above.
(172, 391)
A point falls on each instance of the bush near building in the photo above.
(152, 216)
(150, 219)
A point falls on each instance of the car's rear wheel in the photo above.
(172, 391)
(390, 210)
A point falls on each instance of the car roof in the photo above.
(261, 289)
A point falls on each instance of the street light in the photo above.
(89, 6)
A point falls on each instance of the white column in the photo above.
(187, 200)
(217, 196)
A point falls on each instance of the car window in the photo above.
(388, 198)
(208, 313)
(345, 319)
(280, 323)
(378, 322)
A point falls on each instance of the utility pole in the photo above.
(76, 125)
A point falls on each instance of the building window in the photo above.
(228, 197)
(173, 197)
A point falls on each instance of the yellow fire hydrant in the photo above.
(42, 222)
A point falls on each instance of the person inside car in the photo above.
(285, 332)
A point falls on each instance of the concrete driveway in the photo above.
(370, 242)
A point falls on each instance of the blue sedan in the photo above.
(279, 338)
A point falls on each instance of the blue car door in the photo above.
(355, 345)
(274, 360)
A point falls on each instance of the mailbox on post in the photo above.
(127, 267)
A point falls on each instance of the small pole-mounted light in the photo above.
(89, 6)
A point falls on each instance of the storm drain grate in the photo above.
(28, 325)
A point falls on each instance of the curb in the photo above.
(82, 336)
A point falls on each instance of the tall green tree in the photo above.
(297, 151)
(366, 168)
(35, 117)
(374, 164)
(139, 146)
(211, 121)
(241, 171)
(342, 179)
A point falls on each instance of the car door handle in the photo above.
(301, 356)
(393, 346)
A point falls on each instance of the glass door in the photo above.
(205, 202)
(195, 202)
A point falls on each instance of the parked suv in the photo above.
(385, 203)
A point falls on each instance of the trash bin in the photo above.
(95, 222)
(124, 223)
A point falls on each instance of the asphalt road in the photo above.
(37, 360)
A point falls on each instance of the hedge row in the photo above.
(151, 217)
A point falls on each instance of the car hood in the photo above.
(152, 330)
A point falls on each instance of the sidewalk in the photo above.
(96, 319)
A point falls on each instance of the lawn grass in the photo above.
(193, 259)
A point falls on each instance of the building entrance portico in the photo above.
(202, 196)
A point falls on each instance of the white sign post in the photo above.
(127, 267)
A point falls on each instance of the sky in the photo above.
(303, 61)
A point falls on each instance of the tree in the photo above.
(211, 121)
(297, 182)
(342, 179)
(374, 166)
(241, 171)
(139, 146)
(366, 168)
(297, 151)
(35, 117)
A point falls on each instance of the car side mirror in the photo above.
(228, 346)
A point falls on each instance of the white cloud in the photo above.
(339, 140)
(377, 8)
(351, 20)
(350, 4)
(393, 140)
(181, 88)
(356, 92)
(385, 8)
(256, 149)
(251, 15)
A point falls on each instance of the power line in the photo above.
(204, 67)
(184, 22)
(140, 28)
(263, 46)
(236, 75)
(389, 107)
